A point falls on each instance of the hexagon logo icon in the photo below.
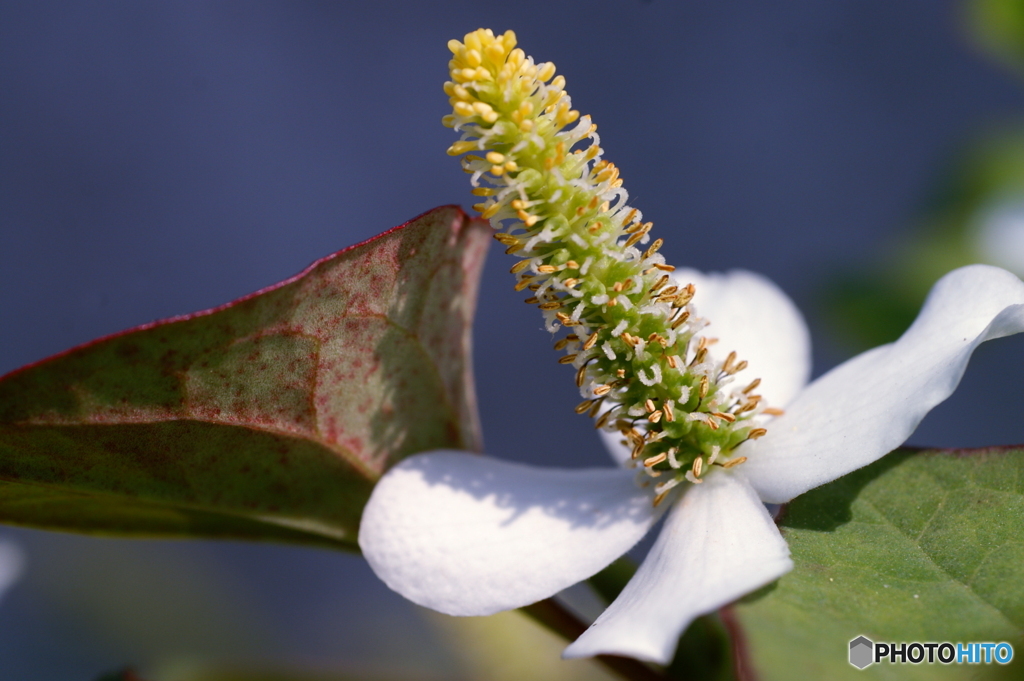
(862, 652)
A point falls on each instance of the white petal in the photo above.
(619, 452)
(471, 535)
(12, 564)
(751, 315)
(1000, 234)
(717, 544)
(871, 404)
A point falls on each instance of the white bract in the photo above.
(471, 535)
(12, 564)
(999, 234)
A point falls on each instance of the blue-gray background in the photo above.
(157, 159)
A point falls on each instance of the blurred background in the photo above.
(161, 158)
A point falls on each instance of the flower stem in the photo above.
(555, 617)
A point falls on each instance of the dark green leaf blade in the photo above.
(920, 546)
(270, 417)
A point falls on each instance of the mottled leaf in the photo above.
(920, 546)
(268, 418)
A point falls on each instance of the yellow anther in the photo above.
(496, 159)
(448, 121)
(682, 319)
(483, 191)
(465, 74)
(463, 109)
(511, 166)
(653, 248)
(519, 266)
(472, 58)
(473, 39)
(734, 462)
(495, 53)
(655, 460)
(454, 46)
(461, 148)
(546, 72)
(491, 211)
(516, 57)
(526, 126)
(497, 171)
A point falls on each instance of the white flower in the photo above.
(999, 233)
(12, 564)
(471, 535)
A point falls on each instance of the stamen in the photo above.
(655, 460)
(734, 462)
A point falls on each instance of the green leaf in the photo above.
(268, 418)
(920, 546)
(998, 26)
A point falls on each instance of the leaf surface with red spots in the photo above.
(270, 417)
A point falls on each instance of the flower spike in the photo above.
(561, 208)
